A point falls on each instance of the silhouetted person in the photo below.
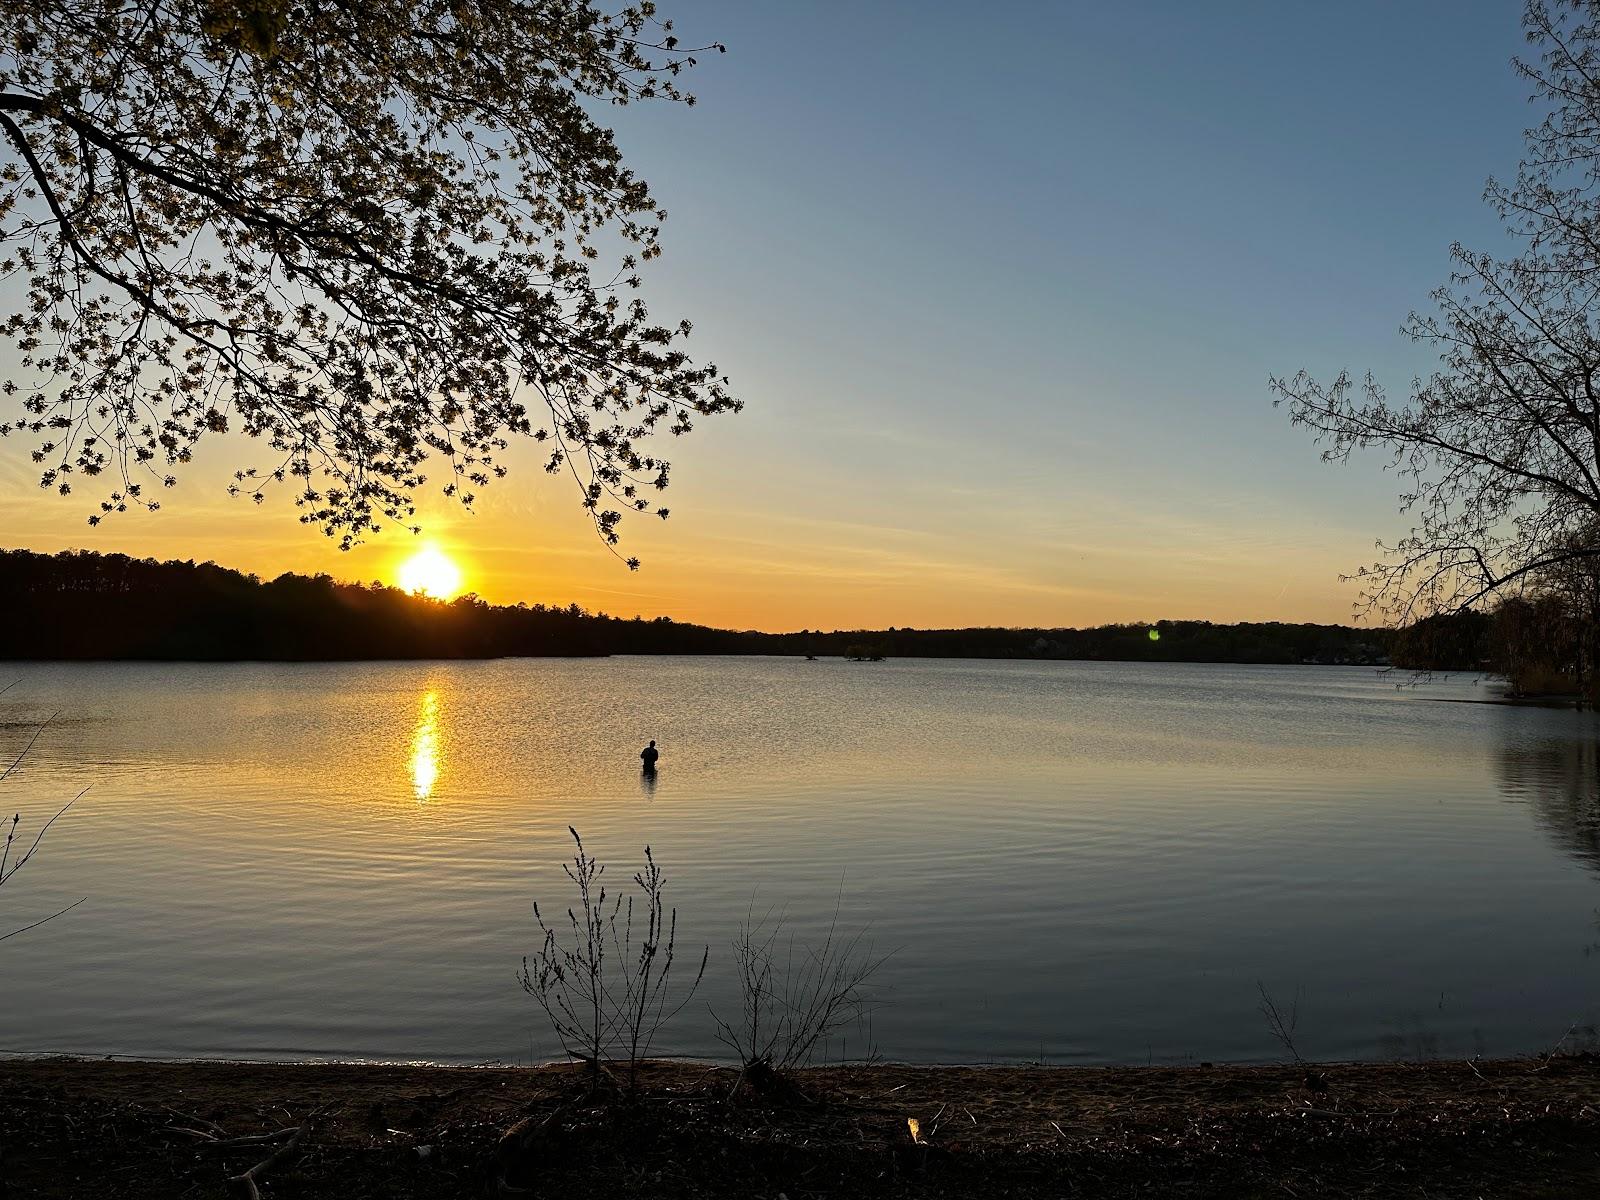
(649, 755)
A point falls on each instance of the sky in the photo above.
(1001, 287)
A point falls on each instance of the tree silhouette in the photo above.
(1501, 446)
(369, 234)
(82, 605)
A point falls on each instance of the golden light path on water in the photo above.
(425, 747)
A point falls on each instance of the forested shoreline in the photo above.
(85, 605)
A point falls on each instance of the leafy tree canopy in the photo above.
(370, 233)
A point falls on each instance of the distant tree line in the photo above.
(85, 605)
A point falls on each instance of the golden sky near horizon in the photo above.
(742, 551)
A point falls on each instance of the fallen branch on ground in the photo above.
(245, 1185)
(253, 1139)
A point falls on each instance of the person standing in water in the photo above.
(649, 755)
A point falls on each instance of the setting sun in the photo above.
(429, 572)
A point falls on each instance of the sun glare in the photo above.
(429, 572)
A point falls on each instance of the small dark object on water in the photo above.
(649, 755)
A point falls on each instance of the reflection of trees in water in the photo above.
(1409, 1038)
(1559, 779)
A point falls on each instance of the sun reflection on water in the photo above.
(425, 747)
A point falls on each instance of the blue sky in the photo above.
(1041, 258)
(1002, 286)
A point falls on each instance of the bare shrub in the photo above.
(794, 996)
(1281, 1021)
(604, 979)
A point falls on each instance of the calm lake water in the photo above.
(1075, 862)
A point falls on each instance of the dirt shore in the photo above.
(128, 1129)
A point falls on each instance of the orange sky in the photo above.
(745, 550)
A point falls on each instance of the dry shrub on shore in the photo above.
(794, 996)
(1281, 1021)
(604, 979)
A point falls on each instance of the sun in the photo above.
(429, 572)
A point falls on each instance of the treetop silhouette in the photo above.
(373, 235)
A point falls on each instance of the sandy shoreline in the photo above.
(72, 1127)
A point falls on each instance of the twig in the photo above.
(245, 1185)
(1328, 1112)
(42, 920)
(17, 762)
(254, 1139)
(7, 872)
(1550, 1054)
(216, 1129)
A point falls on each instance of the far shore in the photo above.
(1525, 1127)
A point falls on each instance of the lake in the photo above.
(1068, 862)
